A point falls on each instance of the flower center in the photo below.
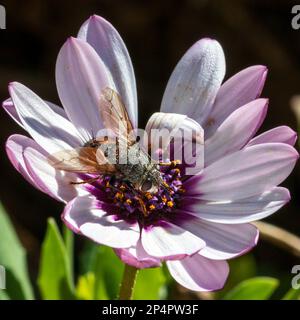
(143, 206)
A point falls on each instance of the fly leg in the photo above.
(85, 181)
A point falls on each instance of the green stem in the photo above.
(69, 243)
(128, 282)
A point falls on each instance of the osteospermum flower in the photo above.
(198, 222)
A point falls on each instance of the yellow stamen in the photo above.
(148, 195)
(170, 204)
(119, 195)
(164, 199)
(152, 207)
(128, 201)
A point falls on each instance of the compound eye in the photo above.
(147, 185)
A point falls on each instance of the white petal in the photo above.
(236, 130)
(245, 173)
(105, 39)
(49, 129)
(89, 217)
(223, 241)
(198, 273)
(170, 241)
(238, 211)
(195, 81)
(80, 77)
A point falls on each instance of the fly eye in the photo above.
(147, 185)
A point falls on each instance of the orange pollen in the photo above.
(119, 195)
(148, 195)
(128, 201)
(164, 199)
(170, 204)
(152, 207)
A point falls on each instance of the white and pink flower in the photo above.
(206, 219)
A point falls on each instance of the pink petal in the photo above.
(89, 217)
(223, 241)
(236, 130)
(170, 242)
(15, 147)
(198, 273)
(245, 173)
(240, 89)
(137, 257)
(80, 77)
(282, 134)
(9, 107)
(55, 183)
(49, 129)
(105, 39)
(166, 130)
(238, 211)
(195, 81)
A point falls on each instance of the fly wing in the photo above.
(81, 160)
(115, 116)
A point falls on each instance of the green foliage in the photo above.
(101, 263)
(150, 285)
(258, 288)
(55, 276)
(102, 272)
(13, 258)
(292, 294)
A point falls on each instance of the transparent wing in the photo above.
(81, 160)
(115, 116)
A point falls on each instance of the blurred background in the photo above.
(157, 34)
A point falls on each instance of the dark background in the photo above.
(157, 33)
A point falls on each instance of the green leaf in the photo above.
(107, 267)
(292, 294)
(150, 285)
(13, 258)
(259, 288)
(86, 288)
(55, 278)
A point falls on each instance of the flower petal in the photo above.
(245, 173)
(223, 241)
(238, 211)
(281, 134)
(105, 39)
(10, 108)
(169, 242)
(55, 183)
(198, 273)
(87, 216)
(49, 129)
(177, 137)
(236, 130)
(15, 147)
(240, 89)
(80, 78)
(137, 257)
(195, 81)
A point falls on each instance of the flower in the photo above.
(198, 222)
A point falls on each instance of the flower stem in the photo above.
(279, 237)
(128, 282)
